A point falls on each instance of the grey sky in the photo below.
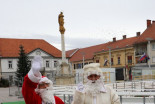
(87, 22)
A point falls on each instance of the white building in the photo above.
(145, 44)
(9, 53)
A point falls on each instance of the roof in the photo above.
(128, 42)
(71, 52)
(89, 52)
(10, 47)
(148, 33)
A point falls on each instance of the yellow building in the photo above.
(119, 55)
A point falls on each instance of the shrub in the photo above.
(4, 83)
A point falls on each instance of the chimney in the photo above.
(124, 36)
(148, 23)
(153, 21)
(138, 34)
(114, 39)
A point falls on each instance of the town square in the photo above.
(77, 52)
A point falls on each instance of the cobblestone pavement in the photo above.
(4, 96)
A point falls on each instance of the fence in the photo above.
(134, 85)
(125, 97)
(15, 88)
(134, 92)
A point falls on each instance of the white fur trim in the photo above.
(52, 103)
(45, 80)
(34, 78)
(93, 68)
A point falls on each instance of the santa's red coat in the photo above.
(29, 94)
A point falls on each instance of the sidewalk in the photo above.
(4, 96)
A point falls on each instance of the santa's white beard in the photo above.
(93, 87)
(46, 94)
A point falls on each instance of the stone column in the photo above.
(63, 48)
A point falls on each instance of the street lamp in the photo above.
(83, 54)
(149, 49)
(126, 71)
(109, 55)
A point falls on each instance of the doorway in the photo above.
(119, 74)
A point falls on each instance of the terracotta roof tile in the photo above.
(148, 33)
(71, 52)
(10, 47)
(89, 51)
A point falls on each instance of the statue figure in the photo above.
(61, 23)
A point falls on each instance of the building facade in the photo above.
(9, 56)
(122, 55)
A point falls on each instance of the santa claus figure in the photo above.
(36, 88)
(94, 91)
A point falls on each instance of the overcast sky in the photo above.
(87, 22)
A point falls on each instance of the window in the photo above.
(153, 46)
(118, 60)
(153, 59)
(79, 66)
(55, 63)
(112, 62)
(74, 66)
(47, 64)
(97, 61)
(86, 63)
(130, 59)
(10, 64)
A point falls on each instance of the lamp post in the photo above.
(126, 71)
(83, 54)
(109, 56)
(149, 49)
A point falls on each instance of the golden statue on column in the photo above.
(64, 72)
(61, 23)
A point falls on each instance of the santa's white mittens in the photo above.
(37, 58)
(80, 87)
(37, 65)
(34, 74)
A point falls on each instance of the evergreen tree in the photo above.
(23, 65)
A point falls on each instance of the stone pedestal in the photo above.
(65, 77)
(65, 80)
(65, 68)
